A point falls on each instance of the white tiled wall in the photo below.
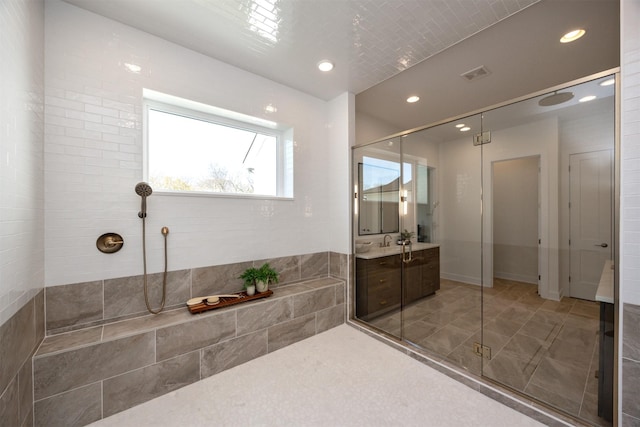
(630, 153)
(21, 125)
(629, 193)
(93, 156)
(341, 136)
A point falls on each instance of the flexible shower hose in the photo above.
(144, 263)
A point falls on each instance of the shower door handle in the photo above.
(602, 245)
(404, 258)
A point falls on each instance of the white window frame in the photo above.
(157, 101)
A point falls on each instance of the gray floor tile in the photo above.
(503, 327)
(418, 331)
(510, 371)
(563, 306)
(580, 337)
(525, 348)
(531, 339)
(553, 398)
(542, 331)
(568, 352)
(445, 340)
(560, 378)
(587, 309)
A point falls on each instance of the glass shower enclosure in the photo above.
(482, 240)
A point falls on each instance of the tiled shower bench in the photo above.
(85, 375)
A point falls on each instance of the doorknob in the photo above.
(602, 245)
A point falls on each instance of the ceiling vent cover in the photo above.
(476, 73)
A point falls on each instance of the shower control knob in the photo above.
(109, 243)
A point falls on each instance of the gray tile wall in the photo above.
(81, 305)
(20, 336)
(63, 371)
(338, 265)
(82, 375)
(631, 365)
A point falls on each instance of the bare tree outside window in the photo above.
(197, 154)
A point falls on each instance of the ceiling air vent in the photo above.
(476, 73)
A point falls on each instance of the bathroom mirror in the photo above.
(425, 203)
(379, 181)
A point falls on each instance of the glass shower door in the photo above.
(547, 210)
(377, 224)
(442, 282)
(510, 219)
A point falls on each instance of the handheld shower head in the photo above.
(143, 190)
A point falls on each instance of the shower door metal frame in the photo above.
(616, 227)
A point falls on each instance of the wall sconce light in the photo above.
(355, 199)
(404, 199)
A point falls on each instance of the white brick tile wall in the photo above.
(629, 194)
(21, 140)
(93, 156)
(630, 154)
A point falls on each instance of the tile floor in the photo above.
(545, 349)
(341, 377)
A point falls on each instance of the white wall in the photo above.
(629, 262)
(459, 219)
(515, 219)
(533, 139)
(630, 154)
(21, 136)
(341, 138)
(369, 129)
(460, 178)
(423, 148)
(590, 132)
(93, 156)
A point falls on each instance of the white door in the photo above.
(591, 205)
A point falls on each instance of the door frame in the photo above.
(548, 212)
(572, 247)
(538, 213)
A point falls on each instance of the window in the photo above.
(199, 149)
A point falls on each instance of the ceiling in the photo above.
(528, 111)
(283, 40)
(522, 54)
(384, 50)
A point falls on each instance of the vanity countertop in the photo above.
(605, 287)
(377, 252)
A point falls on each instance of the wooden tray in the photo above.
(227, 301)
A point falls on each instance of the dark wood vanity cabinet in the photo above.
(379, 281)
(422, 274)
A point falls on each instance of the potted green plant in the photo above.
(266, 275)
(250, 277)
(405, 237)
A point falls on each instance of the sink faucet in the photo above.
(384, 241)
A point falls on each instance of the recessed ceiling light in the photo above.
(134, 68)
(464, 129)
(270, 108)
(325, 65)
(587, 98)
(460, 125)
(413, 98)
(608, 82)
(572, 36)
